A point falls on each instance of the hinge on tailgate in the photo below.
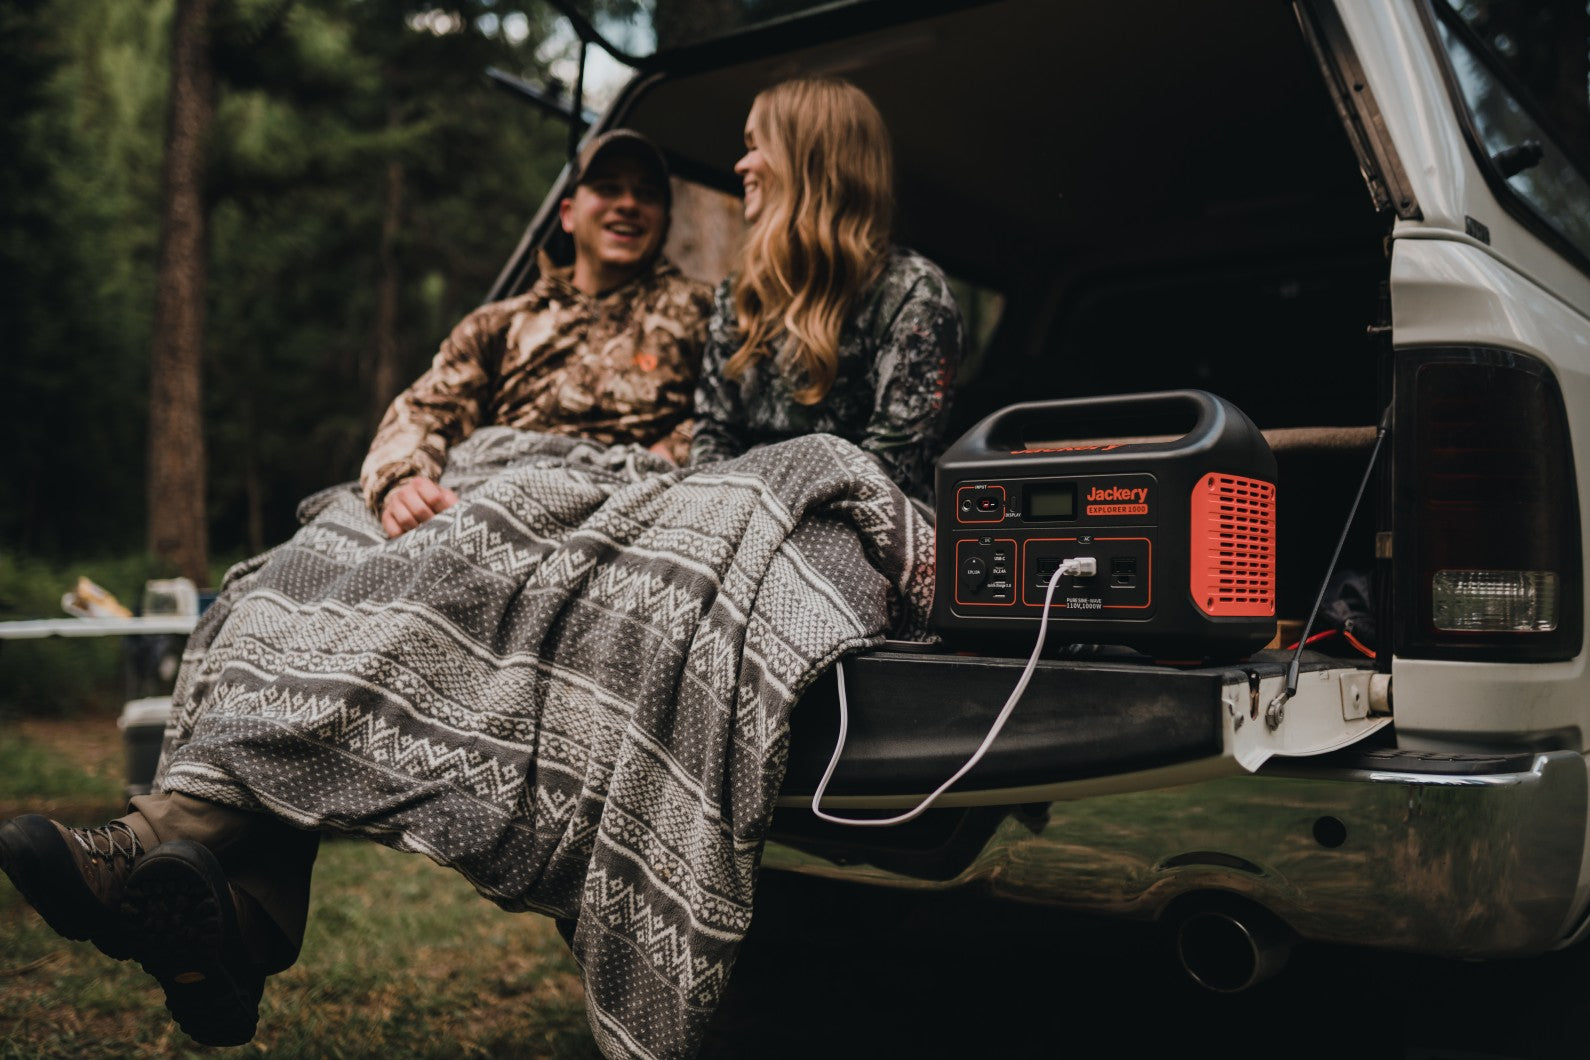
(1355, 696)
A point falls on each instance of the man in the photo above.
(607, 348)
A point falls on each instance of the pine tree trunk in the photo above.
(384, 376)
(177, 532)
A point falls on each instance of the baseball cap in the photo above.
(623, 141)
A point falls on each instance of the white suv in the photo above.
(1337, 215)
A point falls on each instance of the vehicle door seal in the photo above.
(1356, 106)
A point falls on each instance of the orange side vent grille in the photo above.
(1233, 546)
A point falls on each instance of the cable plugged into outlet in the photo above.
(1076, 567)
(1081, 567)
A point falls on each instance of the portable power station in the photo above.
(1172, 494)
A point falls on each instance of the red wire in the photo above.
(1354, 641)
(1318, 636)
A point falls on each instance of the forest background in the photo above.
(358, 182)
(232, 230)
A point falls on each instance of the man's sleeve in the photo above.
(441, 407)
(717, 398)
(916, 363)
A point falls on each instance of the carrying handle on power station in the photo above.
(1183, 417)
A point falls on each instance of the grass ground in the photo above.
(403, 960)
(402, 957)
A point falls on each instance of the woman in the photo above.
(826, 326)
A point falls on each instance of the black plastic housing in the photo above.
(1172, 494)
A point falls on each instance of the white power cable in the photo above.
(1082, 567)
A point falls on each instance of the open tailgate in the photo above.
(1082, 728)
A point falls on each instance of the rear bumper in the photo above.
(1384, 849)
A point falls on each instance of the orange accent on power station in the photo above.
(1232, 554)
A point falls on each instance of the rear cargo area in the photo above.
(1129, 198)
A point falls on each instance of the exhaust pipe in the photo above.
(1230, 948)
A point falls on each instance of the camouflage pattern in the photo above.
(898, 355)
(619, 367)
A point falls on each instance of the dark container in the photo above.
(143, 728)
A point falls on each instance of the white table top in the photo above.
(96, 627)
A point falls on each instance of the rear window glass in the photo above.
(705, 233)
(1522, 73)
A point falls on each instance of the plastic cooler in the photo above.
(143, 728)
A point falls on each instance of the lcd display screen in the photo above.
(1050, 500)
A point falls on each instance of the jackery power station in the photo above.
(1171, 493)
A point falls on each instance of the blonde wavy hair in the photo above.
(822, 236)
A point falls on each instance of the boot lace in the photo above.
(114, 840)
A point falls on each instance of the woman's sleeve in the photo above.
(915, 365)
(719, 416)
(441, 407)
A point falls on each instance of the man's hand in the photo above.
(412, 502)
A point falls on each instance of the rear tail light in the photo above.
(1487, 510)
(1508, 601)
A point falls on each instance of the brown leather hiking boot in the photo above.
(182, 920)
(73, 877)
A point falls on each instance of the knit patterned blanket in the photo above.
(574, 687)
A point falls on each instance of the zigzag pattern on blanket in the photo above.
(574, 686)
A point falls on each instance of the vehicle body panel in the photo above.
(1456, 292)
(1393, 44)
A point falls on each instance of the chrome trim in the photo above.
(1475, 866)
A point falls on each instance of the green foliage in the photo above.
(29, 769)
(62, 675)
(77, 213)
(71, 675)
(402, 958)
(305, 148)
(321, 105)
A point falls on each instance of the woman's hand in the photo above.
(412, 502)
